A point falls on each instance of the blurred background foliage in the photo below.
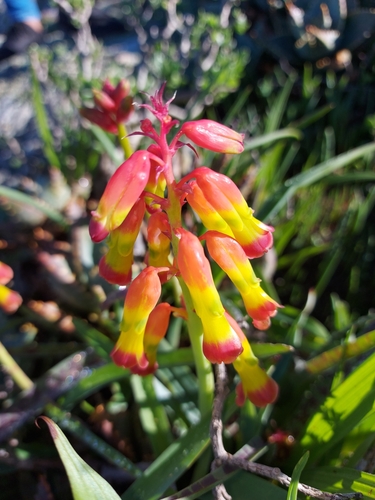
(298, 79)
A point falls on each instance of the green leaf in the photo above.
(84, 481)
(329, 358)
(342, 410)
(99, 378)
(266, 350)
(171, 464)
(152, 413)
(81, 432)
(25, 199)
(345, 480)
(42, 121)
(283, 194)
(293, 487)
(285, 133)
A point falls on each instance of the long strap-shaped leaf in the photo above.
(280, 198)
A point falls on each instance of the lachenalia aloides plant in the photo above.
(145, 184)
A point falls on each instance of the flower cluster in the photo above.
(145, 183)
(9, 299)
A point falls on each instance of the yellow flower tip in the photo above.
(256, 386)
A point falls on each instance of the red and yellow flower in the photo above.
(141, 298)
(220, 342)
(256, 385)
(122, 191)
(231, 257)
(221, 207)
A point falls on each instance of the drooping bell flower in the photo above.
(256, 385)
(122, 191)
(116, 265)
(214, 136)
(10, 300)
(225, 197)
(141, 298)
(231, 257)
(159, 243)
(220, 342)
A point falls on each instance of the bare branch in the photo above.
(216, 428)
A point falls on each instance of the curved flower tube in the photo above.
(226, 199)
(143, 295)
(220, 342)
(122, 191)
(231, 257)
(116, 265)
(256, 385)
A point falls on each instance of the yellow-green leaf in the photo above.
(84, 481)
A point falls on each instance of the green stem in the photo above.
(124, 141)
(17, 374)
(206, 382)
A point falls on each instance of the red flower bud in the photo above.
(211, 135)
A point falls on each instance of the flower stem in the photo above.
(14, 370)
(206, 383)
(124, 141)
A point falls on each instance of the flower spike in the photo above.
(220, 342)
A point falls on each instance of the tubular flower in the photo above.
(211, 135)
(159, 243)
(143, 295)
(220, 342)
(116, 265)
(156, 328)
(113, 105)
(256, 384)
(122, 191)
(10, 300)
(230, 256)
(226, 199)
